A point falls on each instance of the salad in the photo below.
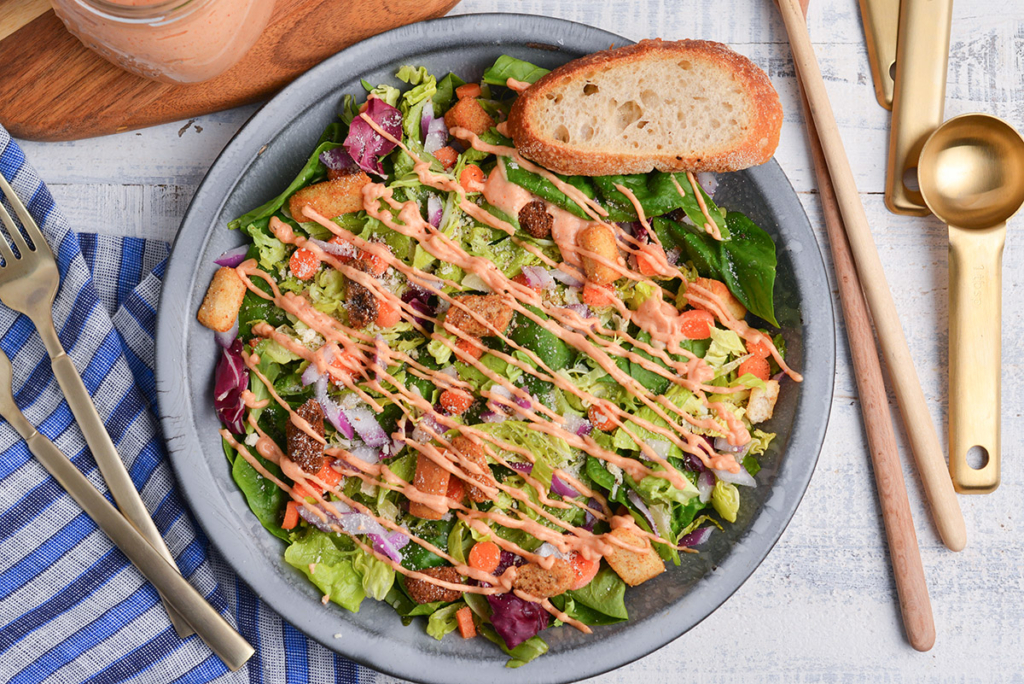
(488, 395)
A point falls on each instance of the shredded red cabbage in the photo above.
(366, 146)
(516, 620)
(231, 379)
(338, 159)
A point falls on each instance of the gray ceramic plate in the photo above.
(261, 159)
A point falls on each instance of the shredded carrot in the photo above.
(583, 570)
(469, 349)
(756, 366)
(388, 314)
(329, 475)
(455, 402)
(464, 617)
(378, 266)
(759, 347)
(597, 295)
(695, 324)
(601, 418)
(303, 264)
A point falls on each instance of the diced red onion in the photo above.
(437, 136)
(366, 426)
(224, 339)
(426, 116)
(232, 257)
(564, 278)
(389, 544)
(558, 486)
(708, 181)
(310, 375)
(672, 256)
(635, 499)
(580, 427)
(521, 467)
(435, 210)
(742, 478)
(538, 277)
(332, 411)
(450, 372)
(548, 549)
(696, 538)
(705, 485)
(722, 444)
(523, 402)
(344, 249)
(493, 416)
(590, 519)
(427, 425)
(367, 454)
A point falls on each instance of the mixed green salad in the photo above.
(433, 403)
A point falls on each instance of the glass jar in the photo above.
(175, 41)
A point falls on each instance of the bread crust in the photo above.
(757, 147)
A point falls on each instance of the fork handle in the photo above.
(103, 450)
(222, 639)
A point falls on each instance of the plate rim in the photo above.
(172, 335)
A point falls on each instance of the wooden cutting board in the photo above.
(52, 88)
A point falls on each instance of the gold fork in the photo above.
(212, 628)
(28, 284)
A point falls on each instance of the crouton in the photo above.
(430, 478)
(422, 591)
(471, 451)
(467, 113)
(361, 303)
(634, 568)
(536, 581)
(305, 451)
(761, 404)
(535, 219)
(219, 310)
(492, 308)
(721, 292)
(341, 195)
(600, 240)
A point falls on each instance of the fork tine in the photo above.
(14, 231)
(12, 227)
(31, 228)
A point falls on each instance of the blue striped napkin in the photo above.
(72, 609)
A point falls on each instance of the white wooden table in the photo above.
(822, 607)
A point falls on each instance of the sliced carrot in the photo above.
(464, 617)
(696, 324)
(469, 349)
(344, 258)
(388, 313)
(303, 264)
(601, 417)
(759, 347)
(597, 295)
(378, 266)
(522, 280)
(471, 175)
(468, 90)
(456, 490)
(430, 479)
(485, 556)
(447, 156)
(291, 516)
(456, 402)
(583, 570)
(756, 366)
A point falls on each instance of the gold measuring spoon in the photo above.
(971, 175)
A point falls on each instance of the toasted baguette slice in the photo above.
(689, 105)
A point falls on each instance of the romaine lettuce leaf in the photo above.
(333, 571)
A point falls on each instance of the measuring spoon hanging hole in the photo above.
(977, 457)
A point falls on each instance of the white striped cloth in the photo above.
(72, 609)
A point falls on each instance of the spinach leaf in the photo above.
(509, 67)
(550, 348)
(545, 189)
(266, 500)
(657, 195)
(605, 594)
(748, 266)
(446, 93)
(745, 263)
(415, 557)
(314, 170)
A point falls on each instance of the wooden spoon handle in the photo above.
(915, 606)
(928, 453)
